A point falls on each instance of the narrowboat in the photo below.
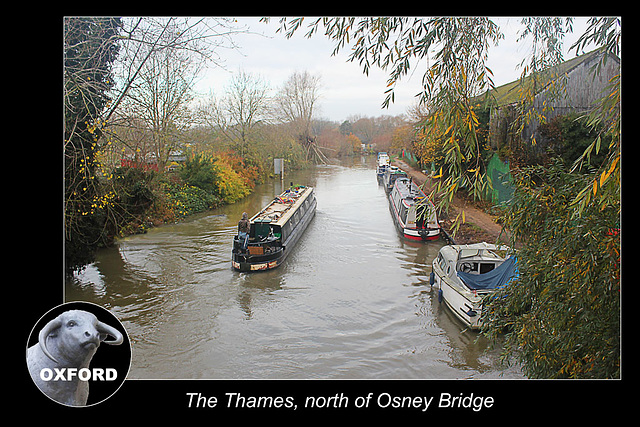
(274, 231)
(413, 213)
(382, 166)
(390, 175)
(465, 274)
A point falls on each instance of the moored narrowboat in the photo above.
(390, 175)
(382, 166)
(274, 231)
(413, 213)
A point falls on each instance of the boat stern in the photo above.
(254, 266)
(422, 234)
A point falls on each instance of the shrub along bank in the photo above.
(130, 200)
(147, 198)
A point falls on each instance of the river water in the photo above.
(352, 301)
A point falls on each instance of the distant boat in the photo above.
(383, 158)
(275, 230)
(464, 274)
(413, 213)
(382, 166)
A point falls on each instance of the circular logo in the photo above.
(78, 354)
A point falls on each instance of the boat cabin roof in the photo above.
(409, 191)
(482, 250)
(283, 206)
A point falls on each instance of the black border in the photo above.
(516, 401)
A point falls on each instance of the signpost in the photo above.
(278, 168)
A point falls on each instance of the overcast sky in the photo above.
(345, 90)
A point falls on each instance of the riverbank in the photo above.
(479, 226)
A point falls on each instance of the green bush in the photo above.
(567, 137)
(184, 199)
(200, 171)
(561, 317)
(224, 176)
(134, 189)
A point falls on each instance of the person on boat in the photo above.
(243, 230)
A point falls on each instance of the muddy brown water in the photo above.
(352, 301)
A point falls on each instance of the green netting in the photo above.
(500, 176)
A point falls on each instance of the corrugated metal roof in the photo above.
(508, 93)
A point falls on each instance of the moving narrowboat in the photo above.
(274, 231)
(465, 274)
(413, 213)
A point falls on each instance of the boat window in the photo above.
(486, 267)
(466, 253)
(277, 232)
(467, 267)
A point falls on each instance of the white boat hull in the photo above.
(474, 260)
(462, 303)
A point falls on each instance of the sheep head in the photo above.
(78, 334)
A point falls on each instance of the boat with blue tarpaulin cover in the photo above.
(465, 274)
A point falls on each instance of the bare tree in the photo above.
(296, 101)
(144, 37)
(295, 104)
(160, 99)
(161, 60)
(243, 107)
